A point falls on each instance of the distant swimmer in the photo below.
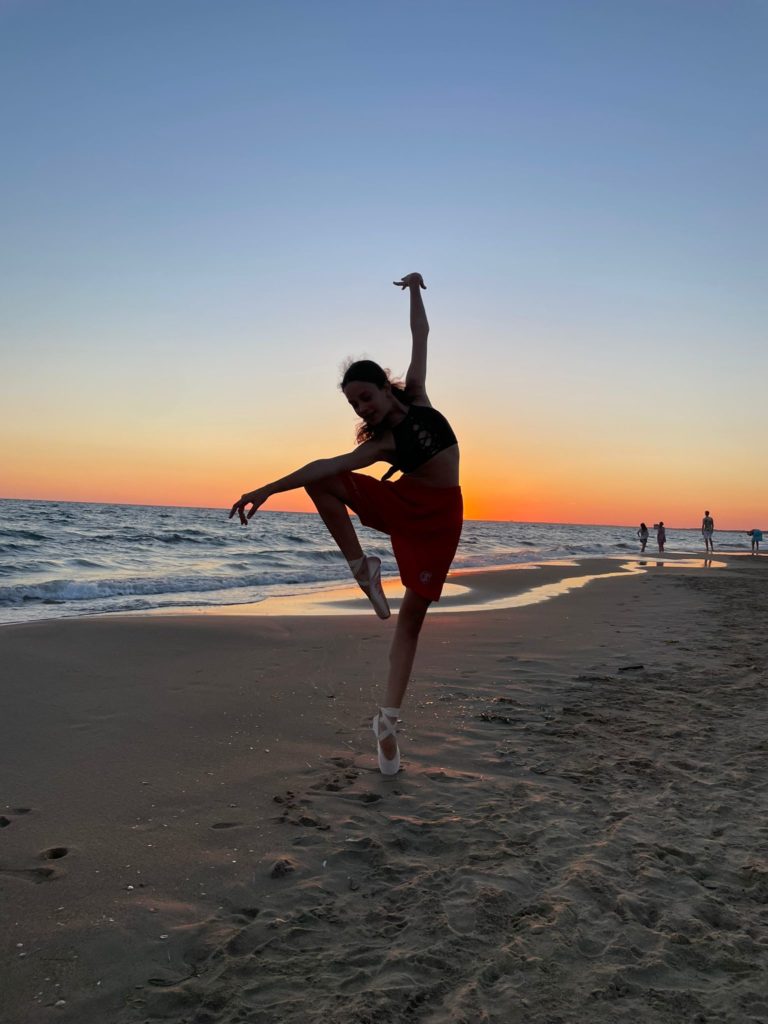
(421, 511)
(661, 537)
(707, 529)
(642, 533)
(757, 536)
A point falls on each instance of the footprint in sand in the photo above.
(283, 867)
(38, 874)
(335, 784)
(5, 821)
(31, 874)
(55, 852)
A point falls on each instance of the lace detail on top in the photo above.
(422, 434)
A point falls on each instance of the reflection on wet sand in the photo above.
(682, 563)
(471, 590)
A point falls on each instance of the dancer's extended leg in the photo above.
(330, 499)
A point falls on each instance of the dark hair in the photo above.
(365, 371)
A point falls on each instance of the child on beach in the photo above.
(421, 511)
(757, 536)
(661, 537)
(642, 533)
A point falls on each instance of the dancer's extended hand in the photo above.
(411, 280)
(255, 499)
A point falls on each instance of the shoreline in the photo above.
(466, 589)
(195, 822)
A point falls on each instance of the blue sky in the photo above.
(203, 202)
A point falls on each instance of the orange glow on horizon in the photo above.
(207, 471)
(478, 505)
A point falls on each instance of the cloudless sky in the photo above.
(203, 205)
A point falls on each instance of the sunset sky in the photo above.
(204, 203)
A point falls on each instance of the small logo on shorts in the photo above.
(425, 577)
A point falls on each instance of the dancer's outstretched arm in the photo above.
(416, 378)
(364, 455)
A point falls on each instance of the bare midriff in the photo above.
(442, 470)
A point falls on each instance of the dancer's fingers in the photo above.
(409, 279)
(238, 507)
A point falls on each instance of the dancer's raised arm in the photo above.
(416, 378)
(364, 455)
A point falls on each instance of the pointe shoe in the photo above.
(371, 586)
(384, 722)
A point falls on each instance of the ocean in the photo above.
(64, 559)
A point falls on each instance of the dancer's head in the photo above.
(372, 394)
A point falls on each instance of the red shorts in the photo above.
(423, 522)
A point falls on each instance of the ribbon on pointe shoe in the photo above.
(371, 586)
(384, 722)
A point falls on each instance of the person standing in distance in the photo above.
(707, 529)
(661, 536)
(642, 534)
(755, 536)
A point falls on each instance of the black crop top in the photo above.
(421, 434)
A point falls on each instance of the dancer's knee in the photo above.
(329, 485)
(319, 489)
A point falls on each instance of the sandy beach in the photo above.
(193, 829)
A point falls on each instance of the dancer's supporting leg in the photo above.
(410, 619)
(330, 499)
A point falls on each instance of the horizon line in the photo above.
(299, 512)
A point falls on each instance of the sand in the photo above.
(193, 828)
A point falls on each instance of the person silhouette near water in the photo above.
(661, 537)
(642, 533)
(756, 536)
(707, 529)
